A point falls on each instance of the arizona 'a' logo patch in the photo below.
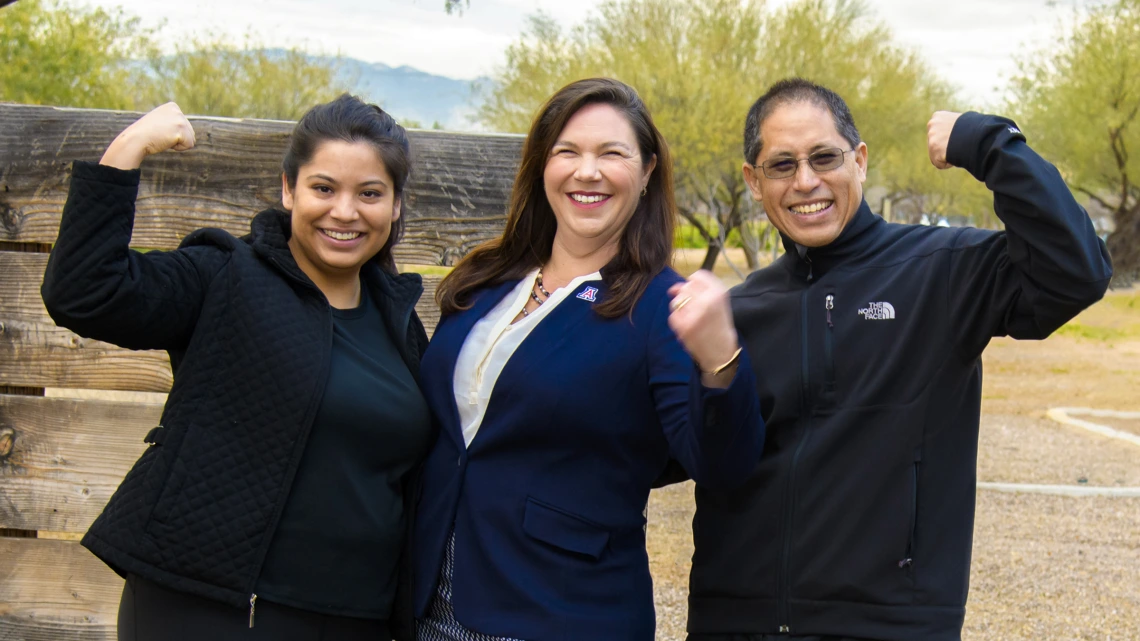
(590, 294)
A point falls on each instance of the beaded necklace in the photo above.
(534, 295)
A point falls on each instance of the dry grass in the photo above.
(1044, 568)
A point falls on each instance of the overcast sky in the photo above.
(972, 43)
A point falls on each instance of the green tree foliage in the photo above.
(699, 65)
(210, 75)
(1079, 100)
(52, 54)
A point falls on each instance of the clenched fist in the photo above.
(164, 127)
(701, 318)
(938, 136)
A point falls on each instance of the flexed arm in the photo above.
(1046, 267)
(95, 284)
(163, 128)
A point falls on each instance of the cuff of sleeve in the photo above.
(742, 377)
(93, 171)
(974, 136)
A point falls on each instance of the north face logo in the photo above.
(878, 311)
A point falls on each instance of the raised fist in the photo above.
(938, 136)
(164, 127)
(702, 320)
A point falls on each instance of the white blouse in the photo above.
(491, 343)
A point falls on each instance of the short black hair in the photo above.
(350, 119)
(791, 90)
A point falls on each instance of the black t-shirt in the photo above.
(337, 547)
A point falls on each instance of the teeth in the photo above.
(587, 200)
(341, 235)
(811, 209)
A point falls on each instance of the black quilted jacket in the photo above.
(249, 338)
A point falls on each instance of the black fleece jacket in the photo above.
(249, 338)
(859, 520)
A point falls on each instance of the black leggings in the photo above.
(149, 612)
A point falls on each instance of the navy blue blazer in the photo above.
(548, 503)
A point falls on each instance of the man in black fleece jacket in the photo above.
(868, 336)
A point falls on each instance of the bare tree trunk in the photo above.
(751, 244)
(1124, 246)
(711, 255)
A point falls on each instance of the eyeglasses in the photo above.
(820, 161)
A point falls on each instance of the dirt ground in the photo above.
(1044, 567)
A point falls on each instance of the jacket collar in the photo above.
(394, 294)
(857, 238)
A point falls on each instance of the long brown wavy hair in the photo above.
(646, 245)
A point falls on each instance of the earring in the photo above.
(644, 190)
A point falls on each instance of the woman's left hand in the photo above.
(701, 318)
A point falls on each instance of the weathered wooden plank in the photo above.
(55, 591)
(20, 277)
(23, 274)
(427, 310)
(39, 354)
(61, 459)
(456, 197)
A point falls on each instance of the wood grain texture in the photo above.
(65, 458)
(21, 275)
(456, 197)
(55, 591)
(39, 354)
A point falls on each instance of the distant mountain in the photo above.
(413, 95)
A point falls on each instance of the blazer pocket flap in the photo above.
(564, 530)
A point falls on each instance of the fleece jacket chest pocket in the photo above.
(564, 530)
(873, 352)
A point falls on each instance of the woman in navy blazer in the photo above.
(570, 365)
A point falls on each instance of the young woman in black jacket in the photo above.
(278, 477)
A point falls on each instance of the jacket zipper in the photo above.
(828, 342)
(789, 499)
(275, 517)
(908, 558)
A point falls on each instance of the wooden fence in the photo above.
(62, 452)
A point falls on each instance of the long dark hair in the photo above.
(646, 245)
(351, 120)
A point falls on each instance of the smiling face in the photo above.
(812, 208)
(593, 179)
(343, 206)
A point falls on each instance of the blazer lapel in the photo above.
(447, 341)
(542, 346)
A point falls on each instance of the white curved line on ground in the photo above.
(1063, 415)
(1062, 490)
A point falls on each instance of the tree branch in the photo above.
(1097, 199)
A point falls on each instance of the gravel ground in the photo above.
(1048, 567)
(1029, 449)
(1045, 568)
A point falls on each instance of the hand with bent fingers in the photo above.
(164, 127)
(938, 136)
(701, 318)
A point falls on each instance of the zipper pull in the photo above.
(830, 305)
(252, 607)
